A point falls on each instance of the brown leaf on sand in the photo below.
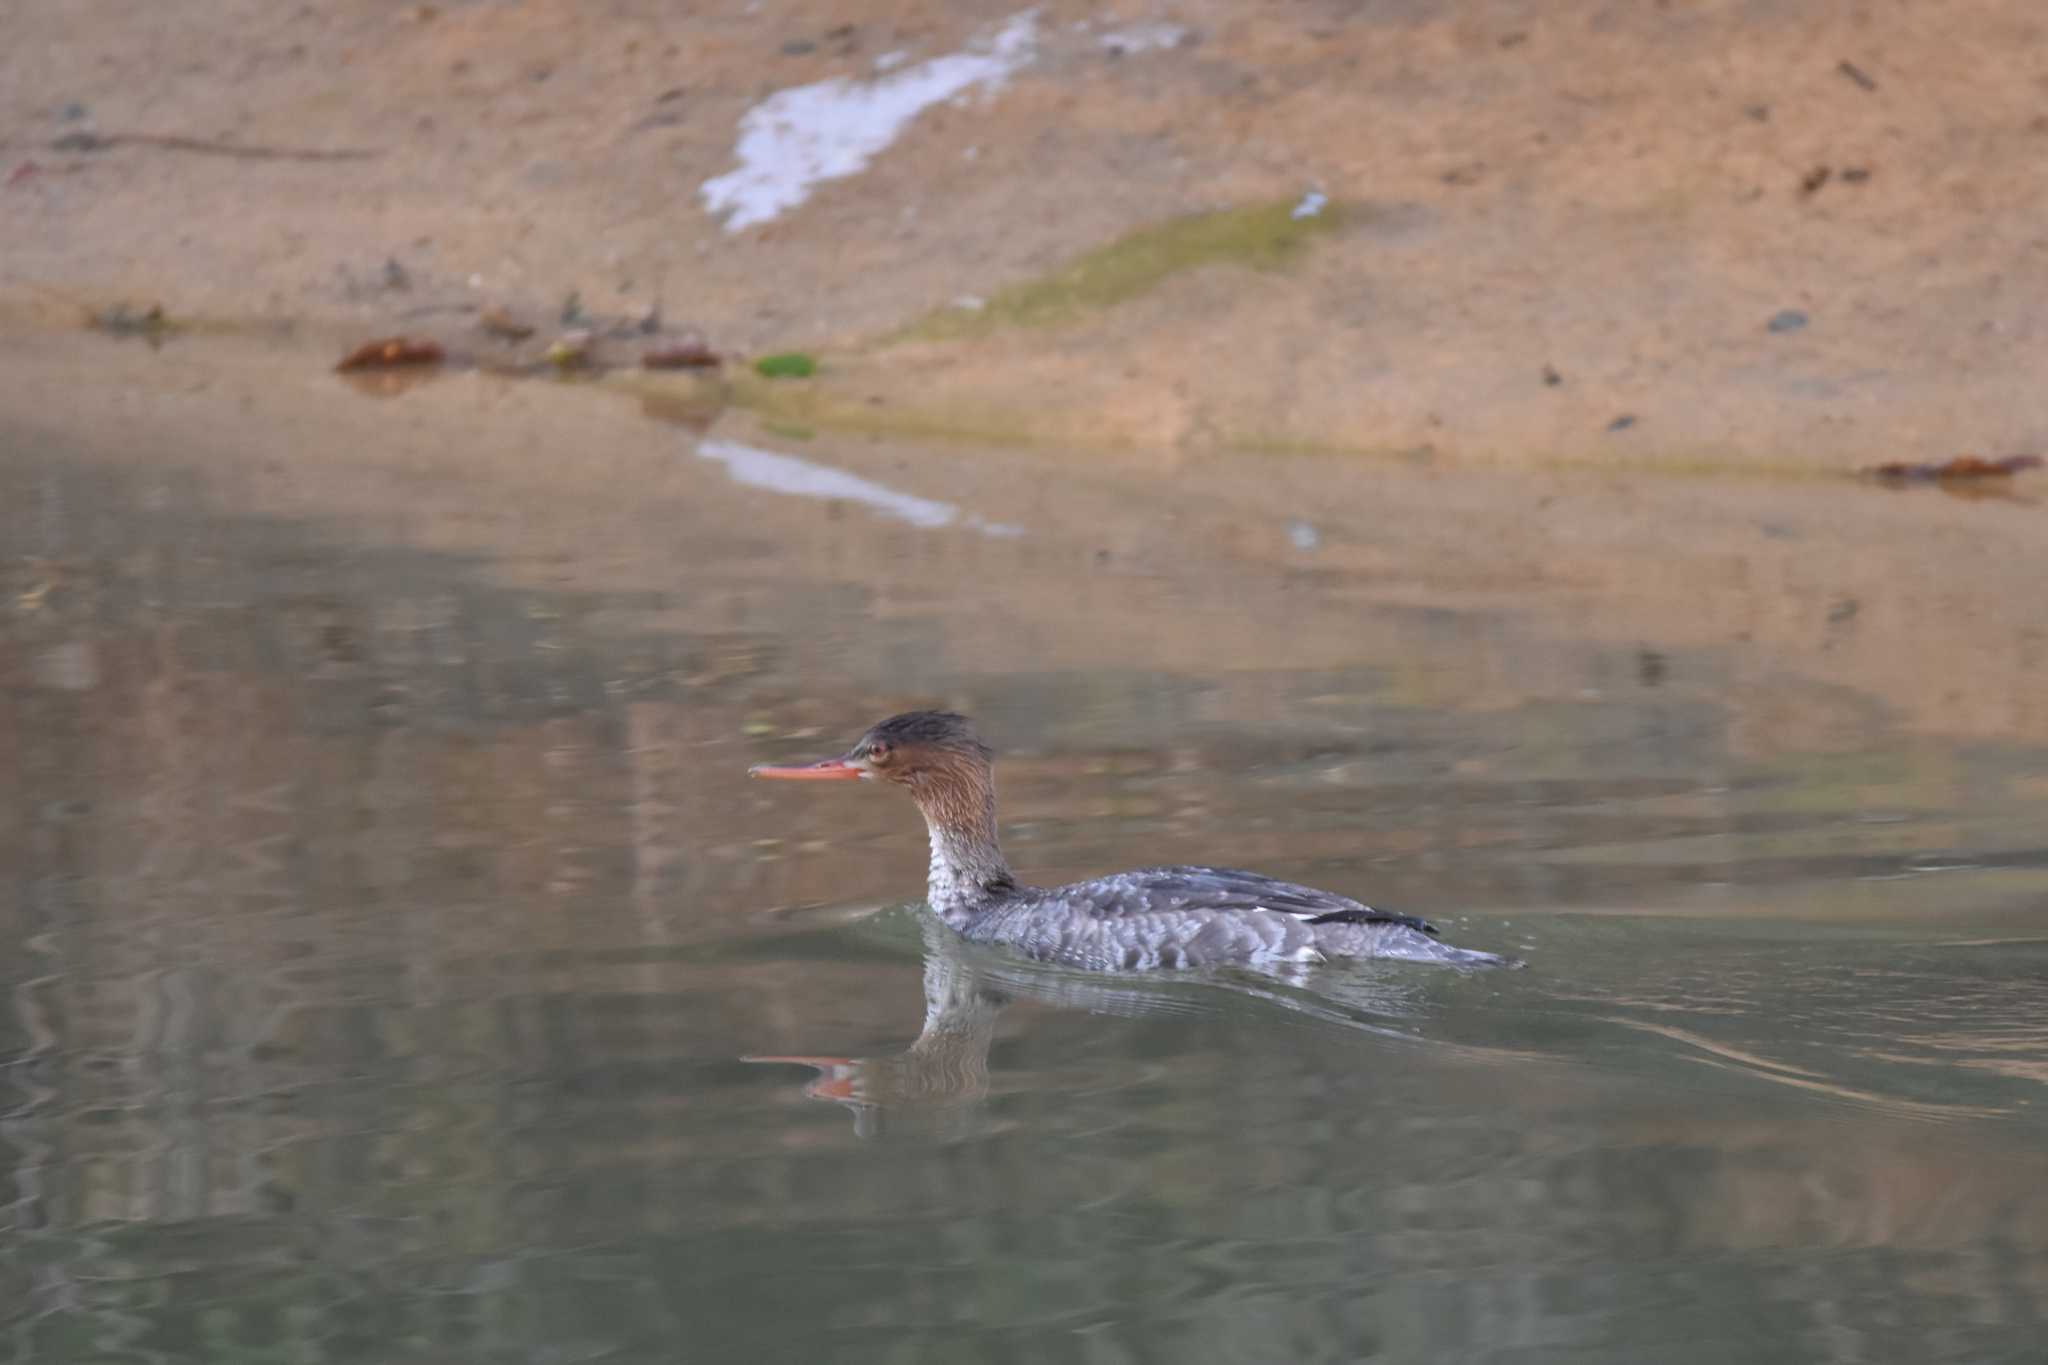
(1961, 467)
(391, 353)
(686, 355)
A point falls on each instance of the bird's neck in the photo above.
(967, 867)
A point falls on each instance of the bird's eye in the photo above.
(878, 753)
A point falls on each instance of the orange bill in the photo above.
(830, 770)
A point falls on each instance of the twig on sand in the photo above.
(100, 142)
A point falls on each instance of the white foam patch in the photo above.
(779, 473)
(796, 138)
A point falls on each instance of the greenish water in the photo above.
(396, 966)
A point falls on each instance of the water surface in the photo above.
(398, 967)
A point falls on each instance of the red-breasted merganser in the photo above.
(1152, 917)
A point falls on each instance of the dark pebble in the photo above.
(1623, 422)
(1789, 320)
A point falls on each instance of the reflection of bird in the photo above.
(944, 1074)
(946, 1066)
(1154, 917)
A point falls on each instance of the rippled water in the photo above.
(398, 967)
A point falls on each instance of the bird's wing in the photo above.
(1156, 890)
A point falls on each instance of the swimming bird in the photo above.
(1171, 917)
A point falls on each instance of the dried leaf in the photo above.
(1961, 467)
(687, 355)
(391, 353)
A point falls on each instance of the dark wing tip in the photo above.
(1378, 917)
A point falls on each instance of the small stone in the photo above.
(122, 320)
(1623, 422)
(570, 350)
(500, 323)
(1786, 320)
(1145, 37)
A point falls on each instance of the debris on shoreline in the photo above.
(688, 354)
(1962, 467)
(499, 323)
(392, 353)
(786, 365)
(125, 320)
(570, 350)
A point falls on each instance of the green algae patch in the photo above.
(786, 365)
(1256, 236)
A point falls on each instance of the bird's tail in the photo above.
(1352, 934)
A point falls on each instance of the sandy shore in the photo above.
(1802, 235)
